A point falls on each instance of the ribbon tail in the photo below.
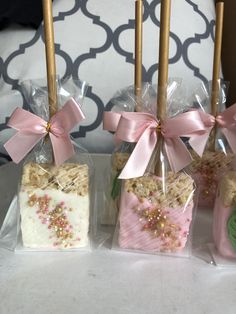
(230, 135)
(20, 144)
(198, 141)
(177, 154)
(68, 116)
(62, 148)
(140, 157)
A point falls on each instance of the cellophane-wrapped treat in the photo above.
(211, 166)
(156, 209)
(224, 217)
(54, 200)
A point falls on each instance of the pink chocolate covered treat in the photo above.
(153, 221)
(206, 172)
(224, 219)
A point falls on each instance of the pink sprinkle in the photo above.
(62, 203)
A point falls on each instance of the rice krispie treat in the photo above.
(54, 206)
(152, 220)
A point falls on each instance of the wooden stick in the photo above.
(216, 68)
(163, 72)
(138, 51)
(50, 56)
(163, 58)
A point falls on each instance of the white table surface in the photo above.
(107, 282)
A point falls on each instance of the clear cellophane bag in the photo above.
(156, 210)
(53, 209)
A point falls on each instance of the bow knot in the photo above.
(48, 127)
(158, 128)
(31, 129)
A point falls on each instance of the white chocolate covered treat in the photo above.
(207, 171)
(224, 218)
(153, 221)
(54, 206)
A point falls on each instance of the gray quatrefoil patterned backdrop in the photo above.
(95, 42)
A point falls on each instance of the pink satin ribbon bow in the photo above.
(225, 120)
(31, 129)
(142, 128)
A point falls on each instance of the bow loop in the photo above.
(31, 129)
(133, 124)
